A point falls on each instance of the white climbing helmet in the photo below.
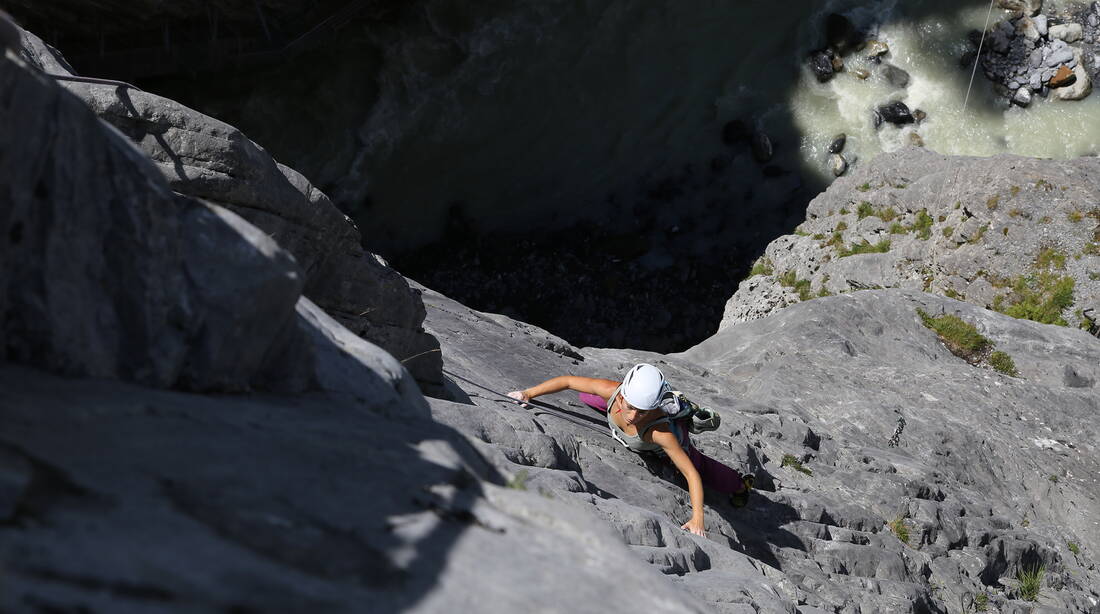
(643, 386)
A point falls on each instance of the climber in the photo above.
(646, 416)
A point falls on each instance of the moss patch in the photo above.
(865, 247)
(1041, 298)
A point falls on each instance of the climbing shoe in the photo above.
(741, 499)
(704, 419)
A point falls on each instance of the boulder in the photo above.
(837, 164)
(1062, 77)
(896, 112)
(1081, 85)
(762, 149)
(895, 76)
(821, 64)
(876, 48)
(1027, 8)
(1022, 97)
(1069, 32)
(837, 144)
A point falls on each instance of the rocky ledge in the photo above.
(1015, 234)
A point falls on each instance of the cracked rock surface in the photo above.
(990, 475)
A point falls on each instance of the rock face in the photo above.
(825, 383)
(118, 497)
(206, 159)
(999, 232)
(893, 476)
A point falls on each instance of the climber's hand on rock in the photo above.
(520, 397)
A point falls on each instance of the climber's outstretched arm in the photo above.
(602, 387)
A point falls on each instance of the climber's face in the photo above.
(632, 415)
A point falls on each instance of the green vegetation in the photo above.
(1053, 478)
(789, 460)
(1092, 248)
(948, 230)
(1046, 219)
(992, 203)
(841, 226)
(959, 336)
(900, 529)
(843, 211)
(818, 237)
(1075, 216)
(1015, 213)
(886, 214)
(836, 239)
(898, 229)
(1041, 298)
(981, 602)
(1015, 190)
(1002, 362)
(952, 293)
(801, 233)
(978, 236)
(763, 266)
(865, 247)
(923, 225)
(518, 481)
(1031, 581)
(1074, 548)
(864, 187)
(1043, 183)
(865, 209)
(1048, 256)
(801, 286)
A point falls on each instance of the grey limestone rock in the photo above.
(949, 217)
(208, 159)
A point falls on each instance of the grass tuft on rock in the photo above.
(789, 460)
(1074, 548)
(959, 336)
(865, 209)
(865, 247)
(1040, 298)
(1031, 581)
(981, 602)
(763, 266)
(900, 529)
(923, 225)
(1002, 362)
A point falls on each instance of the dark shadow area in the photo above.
(651, 268)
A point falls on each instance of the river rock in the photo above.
(1028, 8)
(838, 164)
(837, 144)
(1041, 24)
(1069, 32)
(860, 73)
(876, 48)
(1081, 84)
(896, 112)
(895, 76)
(1022, 97)
(916, 140)
(821, 64)
(762, 149)
(1062, 77)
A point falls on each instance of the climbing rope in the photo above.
(549, 409)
